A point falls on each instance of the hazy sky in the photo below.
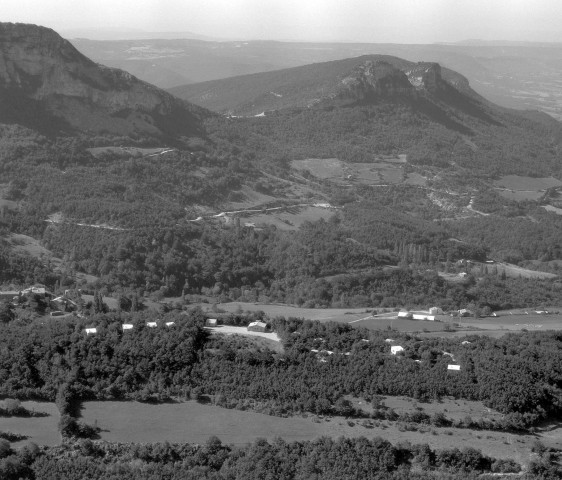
(395, 21)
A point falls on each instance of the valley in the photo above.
(359, 254)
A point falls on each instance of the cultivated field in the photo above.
(382, 172)
(195, 423)
(289, 219)
(129, 151)
(515, 187)
(512, 270)
(40, 430)
(190, 422)
(516, 182)
(345, 315)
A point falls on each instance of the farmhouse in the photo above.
(9, 295)
(127, 326)
(211, 322)
(395, 349)
(151, 324)
(169, 324)
(435, 311)
(453, 367)
(64, 304)
(404, 314)
(465, 313)
(91, 331)
(34, 290)
(257, 327)
(420, 316)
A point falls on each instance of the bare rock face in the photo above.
(375, 79)
(37, 64)
(425, 76)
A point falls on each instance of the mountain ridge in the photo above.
(311, 84)
(42, 75)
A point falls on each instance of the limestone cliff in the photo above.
(42, 71)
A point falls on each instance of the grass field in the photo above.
(41, 430)
(32, 246)
(516, 182)
(384, 171)
(345, 315)
(195, 423)
(518, 188)
(512, 270)
(290, 219)
(127, 151)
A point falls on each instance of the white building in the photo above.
(453, 367)
(395, 349)
(127, 326)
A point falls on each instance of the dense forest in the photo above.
(323, 458)
(518, 375)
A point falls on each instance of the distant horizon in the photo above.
(418, 22)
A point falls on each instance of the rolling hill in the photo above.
(519, 75)
(46, 84)
(311, 84)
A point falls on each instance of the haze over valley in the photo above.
(292, 259)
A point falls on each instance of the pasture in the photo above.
(40, 430)
(190, 422)
(386, 170)
(128, 151)
(194, 423)
(32, 246)
(512, 270)
(518, 188)
(517, 182)
(344, 315)
(288, 219)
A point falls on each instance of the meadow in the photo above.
(194, 423)
(40, 430)
(519, 188)
(386, 170)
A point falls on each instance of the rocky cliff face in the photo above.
(380, 79)
(375, 79)
(37, 65)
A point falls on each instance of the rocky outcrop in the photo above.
(37, 64)
(375, 79)
(426, 76)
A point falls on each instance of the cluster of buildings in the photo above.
(59, 305)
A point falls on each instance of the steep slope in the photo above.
(310, 84)
(45, 83)
(358, 109)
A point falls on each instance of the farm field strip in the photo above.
(40, 430)
(194, 423)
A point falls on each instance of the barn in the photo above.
(257, 327)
